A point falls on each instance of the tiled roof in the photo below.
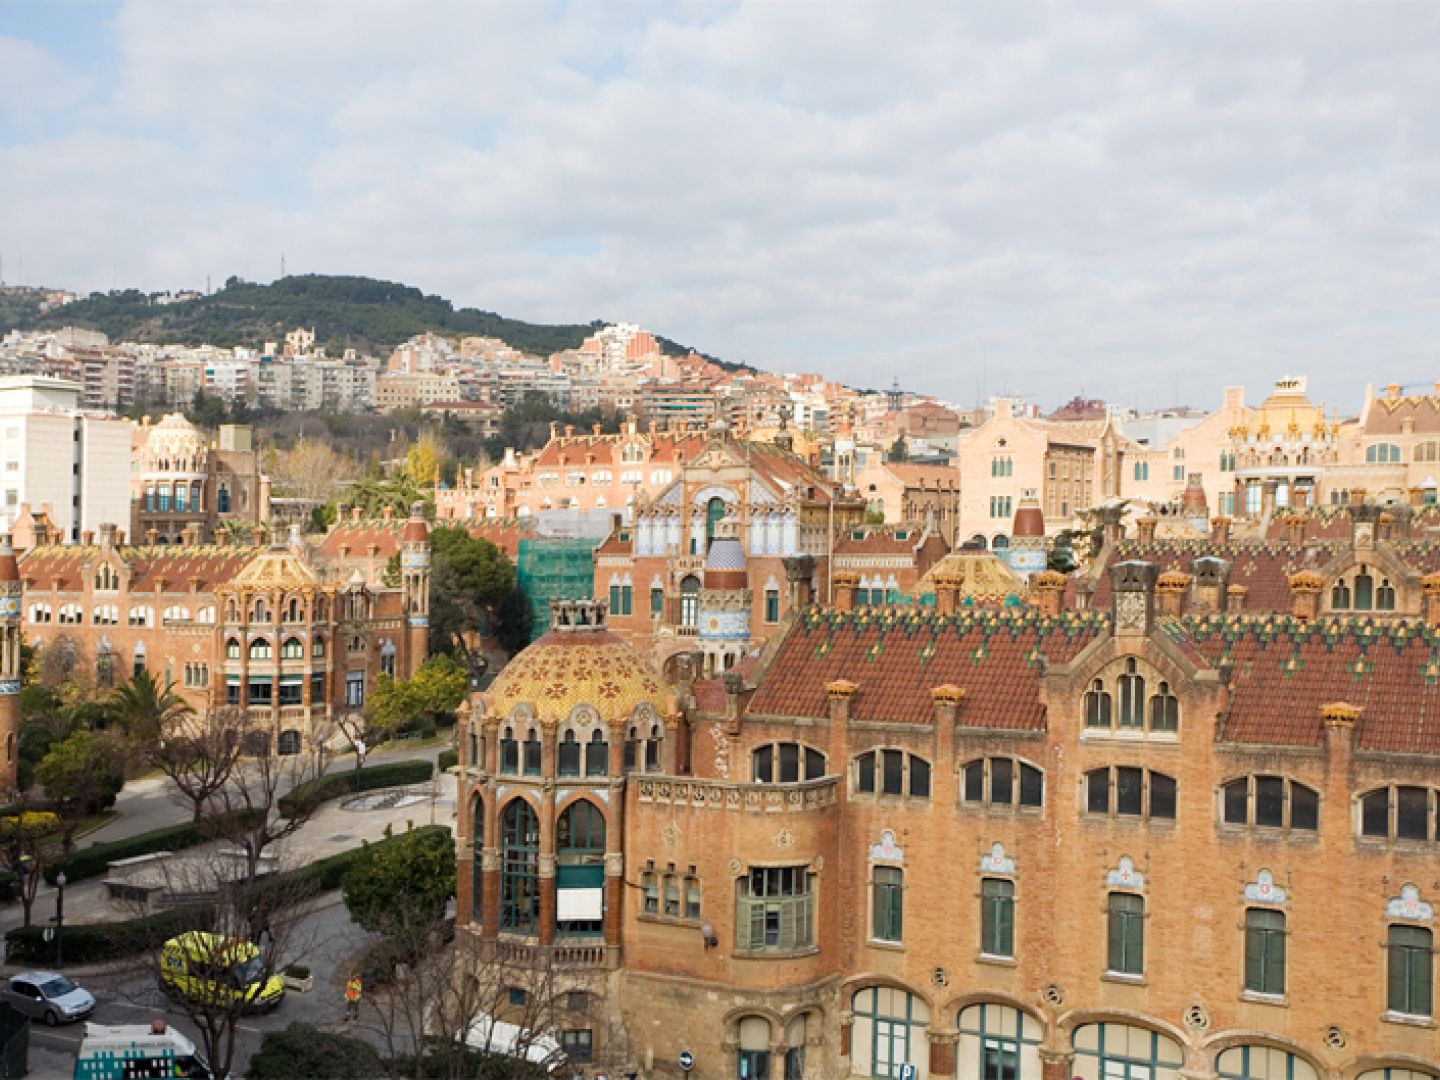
(897, 657)
(358, 536)
(504, 533)
(1387, 416)
(1263, 567)
(879, 540)
(175, 565)
(617, 543)
(1282, 671)
(924, 476)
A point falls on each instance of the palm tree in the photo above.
(147, 711)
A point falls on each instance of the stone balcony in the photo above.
(743, 798)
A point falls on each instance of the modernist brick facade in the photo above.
(954, 766)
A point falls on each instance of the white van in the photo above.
(498, 1037)
(121, 1051)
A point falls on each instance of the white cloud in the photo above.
(1032, 197)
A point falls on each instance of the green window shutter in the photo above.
(1005, 910)
(1275, 962)
(1399, 999)
(1135, 944)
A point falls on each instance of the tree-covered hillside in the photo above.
(345, 312)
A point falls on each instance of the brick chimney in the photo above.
(1145, 529)
(1416, 496)
(845, 582)
(107, 534)
(1305, 589)
(1235, 598)
(152, 536)
(840, 693)
(947, 592)
(88, 537)
(1384, 523)
(799, 569)
(1048, 589)
(1340, 718)
(1220, 530)
(1132, 587)
(1430, 588)
(1173, 587)
(947, 699)
(1295, 529)
(387, 513)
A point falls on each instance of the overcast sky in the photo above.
(1145, 202)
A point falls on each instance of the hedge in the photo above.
(92, 861)
(89, 943)
(307, 796)
(93, 942)
(448, 760)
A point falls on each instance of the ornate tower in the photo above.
(9, 663)
(725, 600)
(415, 580)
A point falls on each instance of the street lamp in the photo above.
(60, 883)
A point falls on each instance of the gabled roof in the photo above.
(175, 565)
(1282, 671)
(897, 658)
(1387, 416)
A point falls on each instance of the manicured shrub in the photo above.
(92, 861)
(448, 760)
(88, 943)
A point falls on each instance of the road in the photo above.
(327, 942)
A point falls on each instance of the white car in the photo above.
(49, 996)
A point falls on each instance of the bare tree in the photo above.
(313, 470)
(247, 804)
(198, 758)
(231, 966)
(454, 1001)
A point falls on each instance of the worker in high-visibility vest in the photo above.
(352, 997)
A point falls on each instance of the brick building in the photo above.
(292, 637)
(1153, 839)
(183, 486)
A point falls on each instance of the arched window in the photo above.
(292, 610)
(785, 763)
(580, 869)
(477, 861)
(519, 868)
(509, 751)
(1097, 705)
(690, 601)
(1164, 710)
(1132, 697)
(1364, 591)
(890, 772)
(652, 748)
(752, 1049)
(292, 649)
(137, 660)
(1263, 1063)
(998, 1040)
(317, 648)
(532, 753)
(992, 781)
(1127, 791)
(1385, 596)
(597, 754)
(1270, 802)
(567, 755)
(889, 1031)
(232, 649)
(260, 649)
(1400, 812)
(261, 612)
(222, 499)
(1340, 596)
(714, 511)
(106, 580)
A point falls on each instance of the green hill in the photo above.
(345, 312)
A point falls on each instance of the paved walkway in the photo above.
(332, 829)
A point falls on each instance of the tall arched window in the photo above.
(292, 649)
(889, 1031)
(519, 868)
(509, 752)
(597, 754)
(1132, 697)
(1097, 706)
(1164, 710)
(1364, 591)
(222, 499)
(714, 511)
(1385, 596)
(998, 1040)
(690, 601)
(260, 649)
(1340, 596)
(567, 755)
(477, 850)
(580, 869)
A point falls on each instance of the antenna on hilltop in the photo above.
(282, 264)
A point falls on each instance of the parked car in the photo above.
(48, 996)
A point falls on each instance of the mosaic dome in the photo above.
(572, 667)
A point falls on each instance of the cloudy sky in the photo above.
(1141, 201)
